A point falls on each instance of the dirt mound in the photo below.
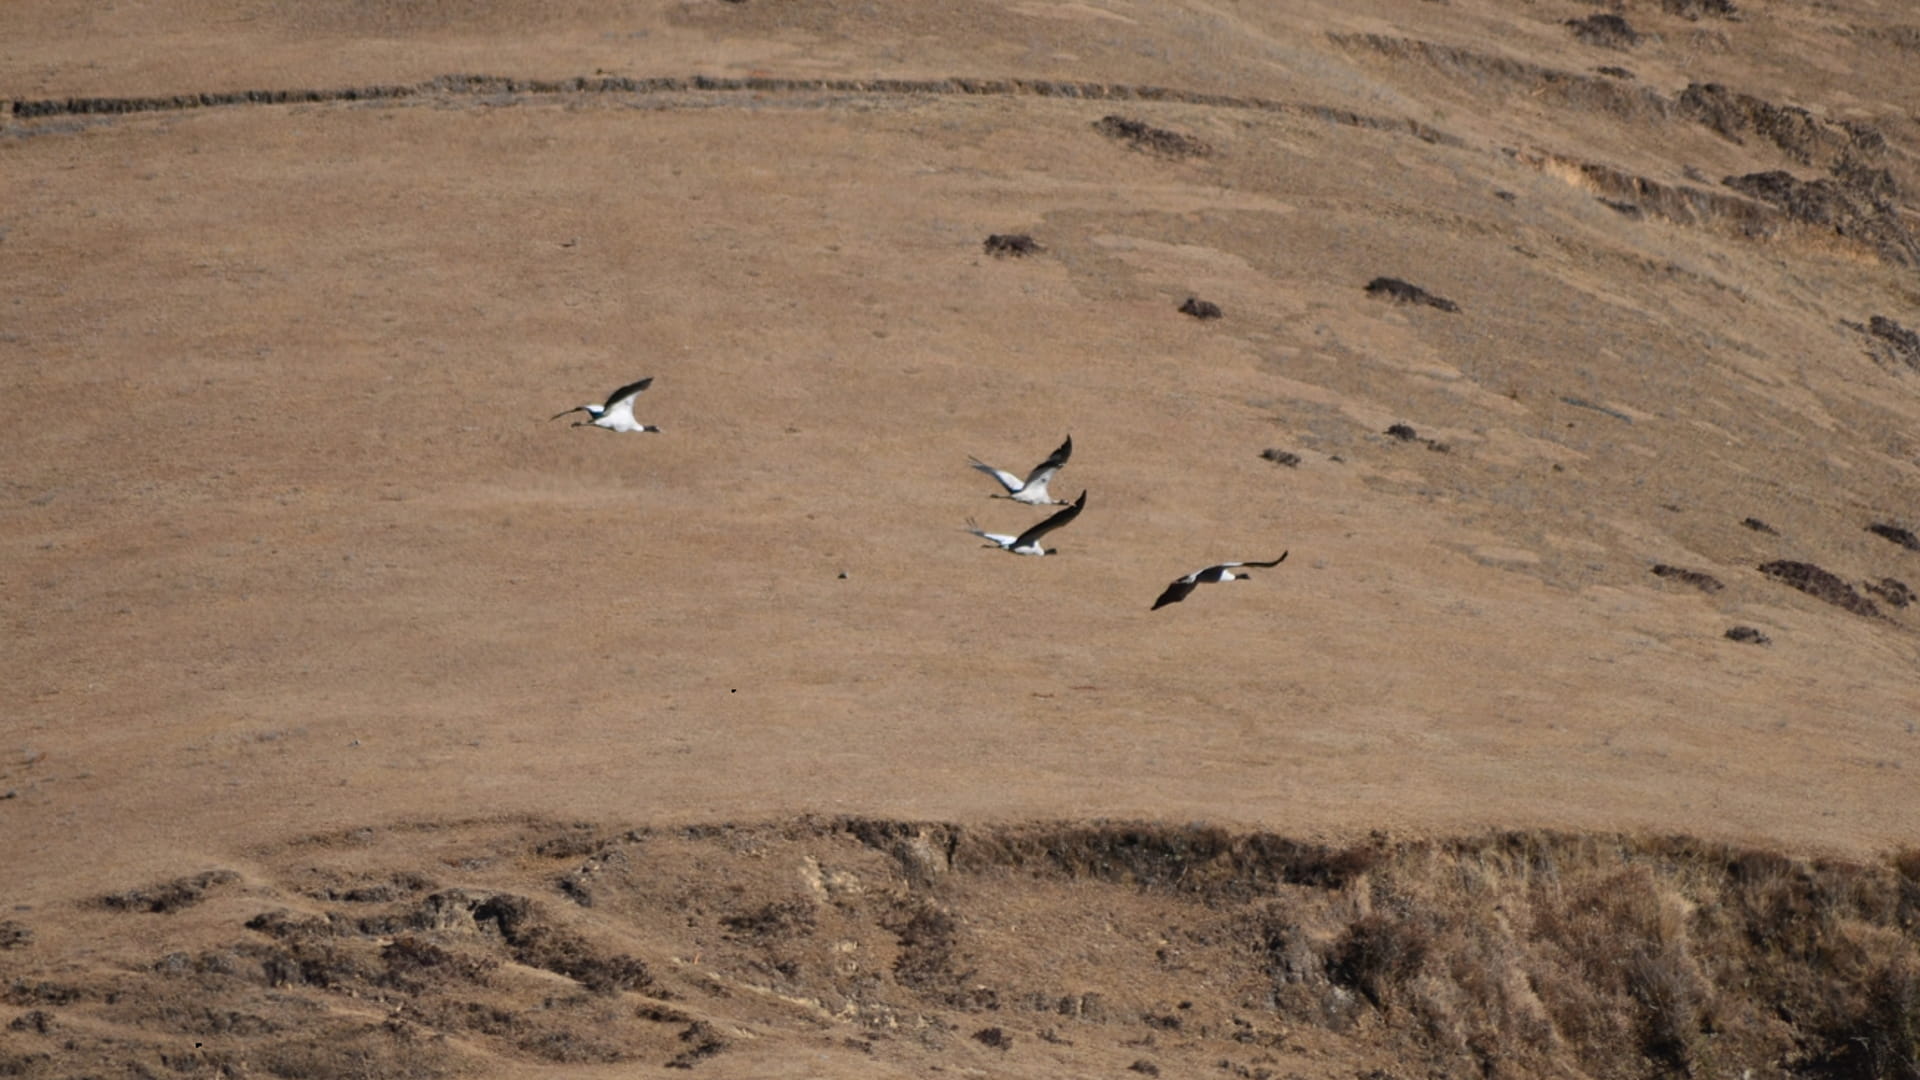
(1821, 585)
(1897, 534)
(1003, 245)
(1699, 579)
(1845, 208)
(172, 895)
(1892, 590)
(1606, 30)
(1892, 342)
(1143, 136)
(1200, 309)
(1403, 292)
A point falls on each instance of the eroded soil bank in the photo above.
(445, 948)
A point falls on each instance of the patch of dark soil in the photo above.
(1141, 136)
(1281, 457)
(530, 936)
(993, 1037)
(1759, 526)
(1377, 955)
(1747, 635)
(578, 884)
(1204, 861)
(1807, 200)
(1606, 30)
(207, 962)
(1893, 343)
(315, 959)
(287, 925)
(24, 993)
(1802, 136)
(393, 1050)
(926, 961)
(792, 917)
(202, 1020)
(1838, 206)
(171, 895)
(576, 888)
(922, 850)
(1820, 585)
(15, 935)
(1405, 433)
(1899, 35)
(1893, 591)
(1405, 293)
(540, 944)
(702, 1042)
(571, 842)
(1144, 1067)
(1624, 209)
(1694, 9)
(474, 1017)
(27, 1065)
(413, 962)
(1614, 71)
(38, 1021)
(1889, 531)
(1002, 245)
(1089, 1007)
(1163, 1021)
(567, 1047)
(1706, 583)
(398, 886)
(1674, 202)
(1200, 309)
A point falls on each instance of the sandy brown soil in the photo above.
(292, 550)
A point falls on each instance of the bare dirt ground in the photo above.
(311, 613)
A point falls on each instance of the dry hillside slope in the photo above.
(360, 720)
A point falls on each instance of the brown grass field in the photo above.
(357, 720)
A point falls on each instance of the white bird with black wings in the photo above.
(617, 413)
(1032, 490)
(1028, 543)
(1178, 591)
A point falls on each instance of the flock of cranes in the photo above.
(616, 414)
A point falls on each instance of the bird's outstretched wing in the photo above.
(588, 409)
(1044, 471)
(1001, 539)
(1007, 480)
(1177, 591)
(627, 391)
(1230, 565)
(1034, 534)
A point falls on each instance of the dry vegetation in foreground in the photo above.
(1508, 955)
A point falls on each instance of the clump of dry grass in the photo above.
(1531, 952)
